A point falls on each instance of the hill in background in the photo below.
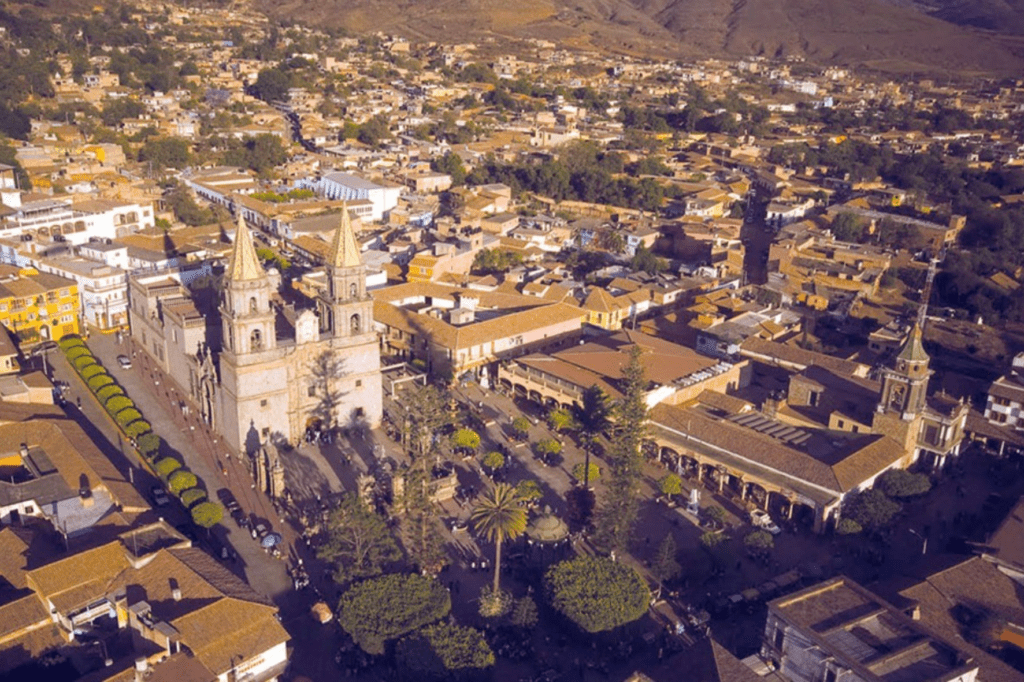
(893, 35)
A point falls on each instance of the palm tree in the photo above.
(592, 415)
(500, 516)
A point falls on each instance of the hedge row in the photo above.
(181, 482)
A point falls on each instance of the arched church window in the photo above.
(354, 324)
(252, 305)
(256, 340)
(353, 290)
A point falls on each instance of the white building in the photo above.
(347, 187)
(76, 223)
(1006, 397)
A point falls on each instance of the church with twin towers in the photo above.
(272, 369)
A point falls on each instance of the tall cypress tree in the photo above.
(618, 514)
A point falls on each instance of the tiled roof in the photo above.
(971, 583)
(244, 265)
(229, 631)
(755, 345)
(98, 564)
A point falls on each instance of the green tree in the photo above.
(181, 480)
(444, 649)
(264, 153)
(872, 509)
(559, 418)
(580, 471)
(596, 593)
(716, 515)
(848, 527)
(646, 261)
(548, 446)
(901, 484)
(671, 484)
(848, 227)
(524, 613)
(380, 609)
(166, 466)
(499, 516)
(759, 542)
(206, 514)
(272, 85)
(466, 439)
(711, 540)
(528, 490)
(192, 496)
(592, 415)
(358, 543)
(185, 207)
(618, 515)
(521, 427)
(166, 152)
(493, 460)
(664, 566)
(451, 164)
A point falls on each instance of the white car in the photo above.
(124, 361)
(760, 519)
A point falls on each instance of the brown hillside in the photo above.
(873, 32)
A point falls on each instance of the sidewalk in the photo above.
(187, 438)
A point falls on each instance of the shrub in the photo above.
(89, 371)
(137, 428)
(83, 362)
(528, 491)
(493, 460)
(579, 469)
(181, 480)
(70, 341)
(108, 392)
(149, 444)
(76, 352)
(127, 416)
(99, 381)
(901, 484)
(166, 466)
(192, 497)
(597, 593)
(118, 403)
(548, 446)
(207, 514)
(521, 427)
(671, 484)
(848, 527)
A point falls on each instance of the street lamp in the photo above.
(924, 541)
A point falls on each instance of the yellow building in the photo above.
(37, 306)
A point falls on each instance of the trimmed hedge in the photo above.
(192, 497)
(83, 362)
(181, 480)
(148, 444)
(137, 428)
(99, 381)
(167, 466)
(108, 392)
(127, 416)
(70, 341)
(118, 403)
(91, 371)
(76, 352)
(207, 514)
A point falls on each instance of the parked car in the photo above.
(124, 361)
(761, 519)
(160, 498)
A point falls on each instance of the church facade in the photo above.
(258, 369)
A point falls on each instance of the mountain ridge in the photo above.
(900, 35)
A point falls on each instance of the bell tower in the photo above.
(346, 309)
(246, 314)
(905, 384)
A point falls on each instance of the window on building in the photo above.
(311, 391)
(252, 305)
(830, 675)
(354, 323)
(265, 431)
(256, 340)
(359, 383)
(812, 399)
(780, 638)
(353, 290)
(263, 403)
